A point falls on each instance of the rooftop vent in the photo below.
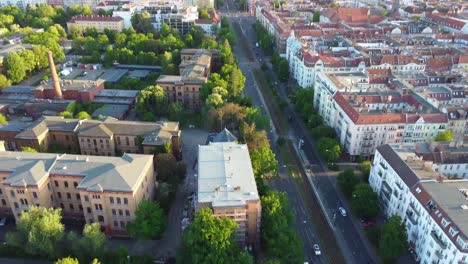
(464, 207)
(418, 190)
(64, 167)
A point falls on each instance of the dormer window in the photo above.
(445, 222)
(453, 231)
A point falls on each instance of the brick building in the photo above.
(98, 22)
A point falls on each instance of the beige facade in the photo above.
(98, 22)
(194, 70)
(104, 190)
(108, 137)
(226, 184)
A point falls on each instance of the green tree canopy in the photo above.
(39, 231)
(316, 17)
(4, 82)
(364, 201)
(365, 169)
(264, 162)
(393, 240)
(152, 99)
(14, 67)
(211, 240)
(329, 148)
(447, 135)
(28, 149)
(347, 181)
(214, 100)
(93, 243)
(83, 115)
(255, 139)
(283, 70)
(150, 221)
(280, 240)
(67, 260)
(3, 120)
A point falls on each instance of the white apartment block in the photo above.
(434, 210)
(365, 118)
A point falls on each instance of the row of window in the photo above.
(118, 200)
(65, 184)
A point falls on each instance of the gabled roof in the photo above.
(225, 136)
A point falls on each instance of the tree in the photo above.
(40, 229)
(283, 70)
(329, 149)
(237, 83)
(322, 131)
(364, 201)
(152, 99)
(384, 13)
(40, 53)
(365, 169)
(76, 32)
(93, 243)
(228, 116)
(214, 100)
(29, 59)
(264, 162)
(150, 221)
(83, 115)
(14, 67)
(3, 120)
(334, 5)
(4, 82)
(255, 139)
(347, 181)
(65, 114)
(203, 14)
(280, 240)
(211, 240)
(168, 169)
(67, 260)
(316, 17)
(445, 136)
(175, 111)
(28, 149)
(393, 240)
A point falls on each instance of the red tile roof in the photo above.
(446, 21)
(350, 15)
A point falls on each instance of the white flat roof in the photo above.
(225, 175)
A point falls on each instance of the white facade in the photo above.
(209, 29)
(407, 190)
(22, 3)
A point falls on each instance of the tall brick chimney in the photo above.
(53, 73)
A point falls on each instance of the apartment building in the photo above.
(98, 22)
(22, 3)
(226, 184)
(195, 69)
(200, 3)
(365, 117)
(175, 14)
(434, 208)
(108, 137)
(104, 190)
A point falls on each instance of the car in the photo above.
(342, 211)
(84, 73)
(317, 250)
(3, 221)
(367, 224)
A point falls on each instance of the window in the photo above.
(118, 200)
(111, 199)
(120, 212)
(68, 196)
(113, 212)
(67, 137)
(71, 207)
(59, 195)
(125, 201)
(12, 193)
(116, 224)
(127, 212)
(100, 218)
(88, 209)
(122, 224)
(86, 198)
(75, 184)
(56, 183)
(34, 195)
(3, 202)
(96, 207)
(16, 205)
(78, 196)
(22, 201)
(127, 141)
(80, 207)
(62, 206)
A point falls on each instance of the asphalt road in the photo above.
(284, 183)
(350, 237)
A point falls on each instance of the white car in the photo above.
(342, 211)
(317, 250)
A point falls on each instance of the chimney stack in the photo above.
(53, 73)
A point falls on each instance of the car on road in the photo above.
(342, 211)
(3, 221)
(84, 73)
(317, 250)
(367, 224)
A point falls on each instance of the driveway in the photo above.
(167, 246)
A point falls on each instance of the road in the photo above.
(284, 183)
(351, 238)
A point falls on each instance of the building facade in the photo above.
(98, 22)
(434, 209)
(226, 185)
(108, 137)
(195, 70)
(104, 190)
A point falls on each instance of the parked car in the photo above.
(317, 250)
(3, 221)
(342, 211)
(367, 224)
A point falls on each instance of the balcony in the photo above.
(438, 240)
(383, 165)
(411, 216)
(439, 254)
(380, 173)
